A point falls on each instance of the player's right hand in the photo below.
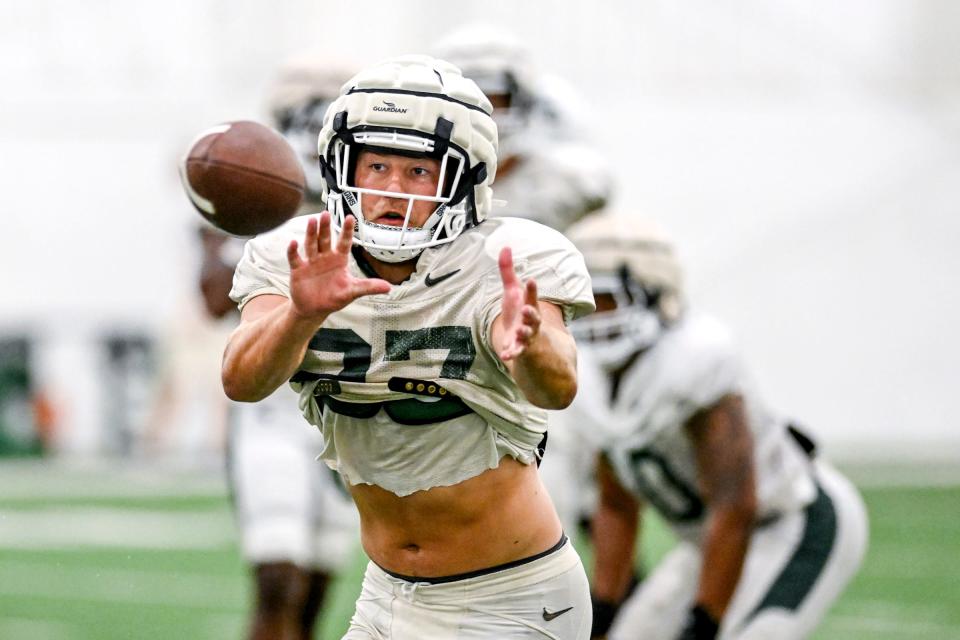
(320, 280)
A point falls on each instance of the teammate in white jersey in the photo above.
(548, 170)
(424, 360)
(297, 524)
(769, 533)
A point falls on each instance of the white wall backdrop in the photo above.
(804, 154)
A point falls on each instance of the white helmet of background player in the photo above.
(305, 85)
(412, 105)
(634, 261)
(502, 67)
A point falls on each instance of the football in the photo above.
(243, 177)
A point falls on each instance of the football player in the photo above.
(769, 533)
(548, 171)
(425, 361)
(297, 523)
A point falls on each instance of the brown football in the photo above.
(243, 177)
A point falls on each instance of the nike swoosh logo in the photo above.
(432, 281)
(550, 615)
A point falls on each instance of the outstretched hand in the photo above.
(519, 315)
(320, 281)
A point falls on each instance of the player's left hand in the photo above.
(700, 625)
(519, 315)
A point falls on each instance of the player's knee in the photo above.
(281, 587)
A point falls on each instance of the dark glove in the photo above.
(604, 612)
(700, 625)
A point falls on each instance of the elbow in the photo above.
(241, 394)
(233, 389)
(236, 385)
(561, 394)
(741, 512)
(237, 388)
(566, 395)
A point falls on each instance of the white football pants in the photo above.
(796, 567)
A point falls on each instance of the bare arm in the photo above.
(614, 532)
(269, 345)
(532, 341)
(723, 447)
(216, 276)
(266, 349)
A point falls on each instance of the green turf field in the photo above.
(88, 553)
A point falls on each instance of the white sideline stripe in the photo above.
(51, 479)
(92, 584)
(103, 527)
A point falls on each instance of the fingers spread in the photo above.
(370, 286)
(531, 316)
(346, 234)
(310, 238)
(323, 233)
(507, 274)
(293, 255)
(530, 294)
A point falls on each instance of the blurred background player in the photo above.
(187, 416)
(548, 172)
(297, 524)
(769, 533)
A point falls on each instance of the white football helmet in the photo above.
(501, 65)
(633, 260)
(303, 89)
(411, 105)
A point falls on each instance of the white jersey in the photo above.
(691, 367)
(424, 341)
(555, 184)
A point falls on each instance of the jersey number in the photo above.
(669, 493)
(457, 341)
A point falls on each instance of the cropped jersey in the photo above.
(426, 344)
